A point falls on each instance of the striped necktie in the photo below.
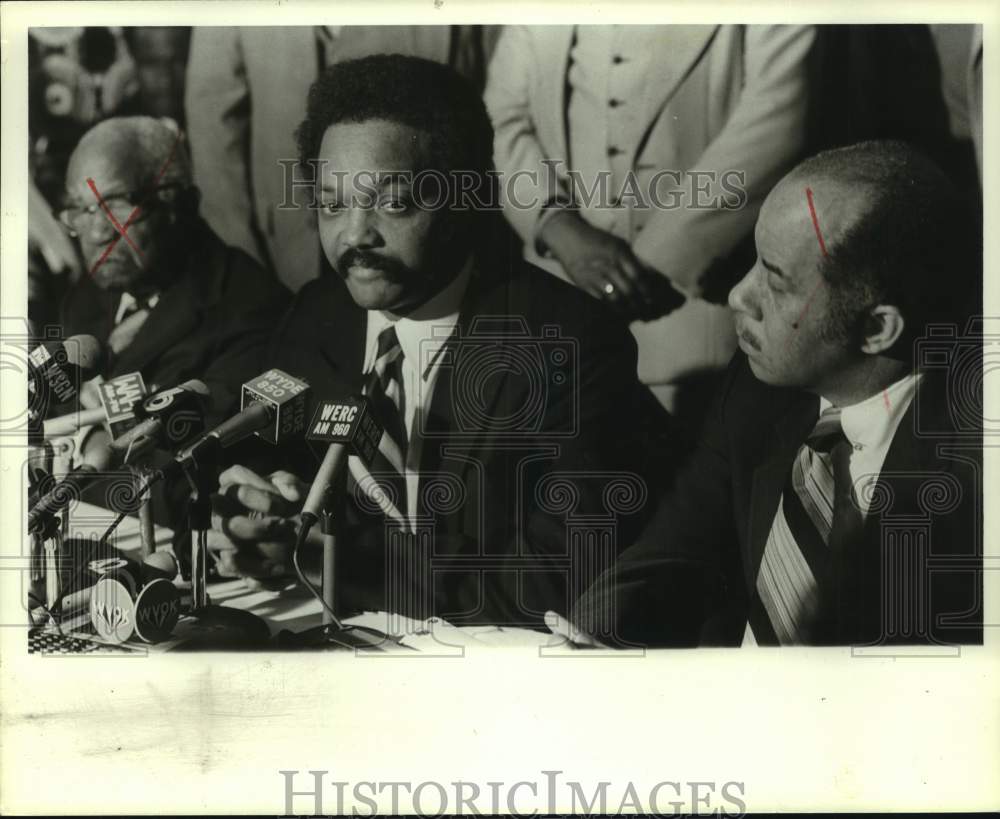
(384, 389)
(797, 585)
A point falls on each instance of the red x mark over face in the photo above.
(122, 229)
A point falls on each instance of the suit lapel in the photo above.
(681, 48)
(910, 458)
(175, 316)
(182, 305)
(787, 435)
(344, 334)
(486, 296)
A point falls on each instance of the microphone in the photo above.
(73, 608)
(131, 599)
(59, 367)
(348, 427)
(118, 396)
(169, 418)
(273, 407)
(74, 421)
(61, 495)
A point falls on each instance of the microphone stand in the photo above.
(41, 452)
(216, 627)
(147, 538)
(53, 555)
(331, 520)
(332, 634)
(199, 522)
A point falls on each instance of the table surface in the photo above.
(284, 604)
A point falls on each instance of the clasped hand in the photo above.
(604, 266)
(254, 522)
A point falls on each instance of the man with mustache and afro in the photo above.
(510, 401)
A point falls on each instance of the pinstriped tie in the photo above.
(384, 389)
(795, 581)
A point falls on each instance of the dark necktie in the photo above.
(817, 521)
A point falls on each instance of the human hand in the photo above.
(602, 264)
(254, 522)
(50, 237)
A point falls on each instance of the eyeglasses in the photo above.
(121, 206)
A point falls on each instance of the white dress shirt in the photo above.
(128, 303)
(422, 334)
(869, 427)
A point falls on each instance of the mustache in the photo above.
(365, 258)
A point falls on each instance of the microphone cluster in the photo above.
(127, 599)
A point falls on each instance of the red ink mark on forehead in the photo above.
(822, 248)
(815, 221)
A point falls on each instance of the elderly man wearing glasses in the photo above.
(162, 291)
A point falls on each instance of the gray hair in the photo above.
(155, 149)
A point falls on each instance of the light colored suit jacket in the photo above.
(245, 96)
(720, 98)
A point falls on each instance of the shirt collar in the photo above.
(425, 331)
(872, 423)
(129, 302)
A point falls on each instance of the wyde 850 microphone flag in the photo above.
(274, 406)
(285, 396)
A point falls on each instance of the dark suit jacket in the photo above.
(506, 497)
(914, 576)
(211, 324)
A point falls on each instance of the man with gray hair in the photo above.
(168, 298)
